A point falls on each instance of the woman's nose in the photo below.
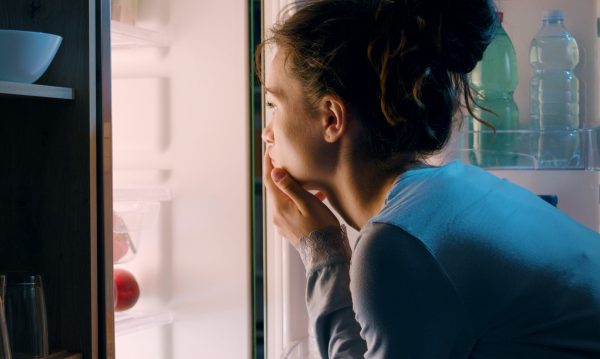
(267, 135)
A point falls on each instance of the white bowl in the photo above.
(25, 55)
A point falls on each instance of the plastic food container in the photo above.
(130, 221)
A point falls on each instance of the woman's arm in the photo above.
(326, 256)
(405, 303)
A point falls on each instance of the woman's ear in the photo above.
(335, 118)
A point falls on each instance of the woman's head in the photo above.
(399, 66)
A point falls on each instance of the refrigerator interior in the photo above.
(181, 138)
(577, 189)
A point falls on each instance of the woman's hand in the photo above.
(296, 212)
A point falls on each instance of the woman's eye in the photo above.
(270, 105)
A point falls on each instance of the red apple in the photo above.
(121, 239)
(127, 289)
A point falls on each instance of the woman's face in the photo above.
(294, 135)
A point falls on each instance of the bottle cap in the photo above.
(500, 17)
(554, 14)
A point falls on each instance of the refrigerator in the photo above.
(187, 113)
(181, 185)
(575, 186)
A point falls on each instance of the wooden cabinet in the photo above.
(55, 174)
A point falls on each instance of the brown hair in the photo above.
(402, 65)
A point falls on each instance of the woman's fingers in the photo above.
(292, 189)
(296, 211)
(283, 188)
(267, 168)
(280, 200)
(267, 180)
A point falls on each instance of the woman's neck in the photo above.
(359, 193)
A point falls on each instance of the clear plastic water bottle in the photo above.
(555, 92)
(495, 79)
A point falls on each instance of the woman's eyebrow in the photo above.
(274, 91)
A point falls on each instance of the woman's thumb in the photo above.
(289, 186)
(278, 174)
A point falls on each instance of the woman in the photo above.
(451, 261)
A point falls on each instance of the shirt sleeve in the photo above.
(331, 315)
(326, 256)
(394, 301)
(404, 301)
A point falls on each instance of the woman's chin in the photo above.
(274, 163)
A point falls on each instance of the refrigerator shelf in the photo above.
(577, 149)
(33, 90)
(133, 321)
(128, 36)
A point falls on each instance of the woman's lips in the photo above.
(270, 152)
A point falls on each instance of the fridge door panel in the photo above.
(181, 119)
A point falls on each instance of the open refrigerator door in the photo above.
(181, 177)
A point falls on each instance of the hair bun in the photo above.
(466, 28)
(452, 35)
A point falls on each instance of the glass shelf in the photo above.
(527, 149)
(33, 90)
(129, 36)
(133, 321)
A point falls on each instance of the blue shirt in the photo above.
(461, 264)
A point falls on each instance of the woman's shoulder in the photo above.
(389, 269)
(384, 244)
(437, 194)
(453, 176)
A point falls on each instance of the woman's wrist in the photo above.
(324, 246)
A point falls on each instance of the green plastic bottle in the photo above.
(495, 79)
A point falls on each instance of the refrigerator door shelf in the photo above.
(564, 149)
(128, 36)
